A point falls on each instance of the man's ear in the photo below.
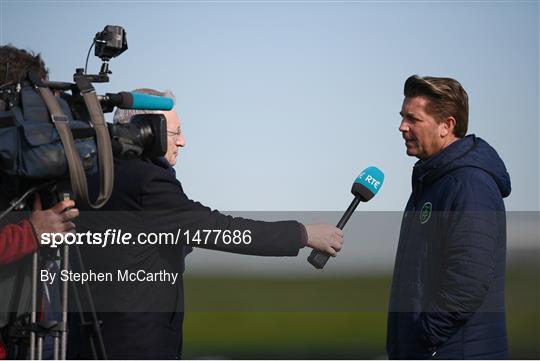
(447, 127)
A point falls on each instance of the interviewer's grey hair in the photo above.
(124, 115)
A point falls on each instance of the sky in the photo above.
(283, 103)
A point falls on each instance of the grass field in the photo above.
(341, 318)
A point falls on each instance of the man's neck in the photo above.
(449, 140)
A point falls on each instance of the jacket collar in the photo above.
(435, 166)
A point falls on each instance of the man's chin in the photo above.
(412, 152)
(171, 162)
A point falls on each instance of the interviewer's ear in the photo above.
(447, 127)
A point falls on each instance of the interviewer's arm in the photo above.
(164, 193)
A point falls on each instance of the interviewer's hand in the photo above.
(325, 237)
(53, 220)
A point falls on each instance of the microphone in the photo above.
(366, 185)
(133, 100)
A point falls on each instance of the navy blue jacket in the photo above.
(447, 297)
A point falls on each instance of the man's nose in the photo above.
(403, 127)
(180, 141)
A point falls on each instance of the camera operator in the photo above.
(144, 319)
(20, 239)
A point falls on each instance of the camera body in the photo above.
(31, 148)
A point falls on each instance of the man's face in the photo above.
(175, 139)
(423, 135)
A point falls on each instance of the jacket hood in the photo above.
(470, 151)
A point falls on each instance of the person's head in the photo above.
(435, 113)
(175, 138)
(16, 63)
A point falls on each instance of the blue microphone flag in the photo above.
(371, 178)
